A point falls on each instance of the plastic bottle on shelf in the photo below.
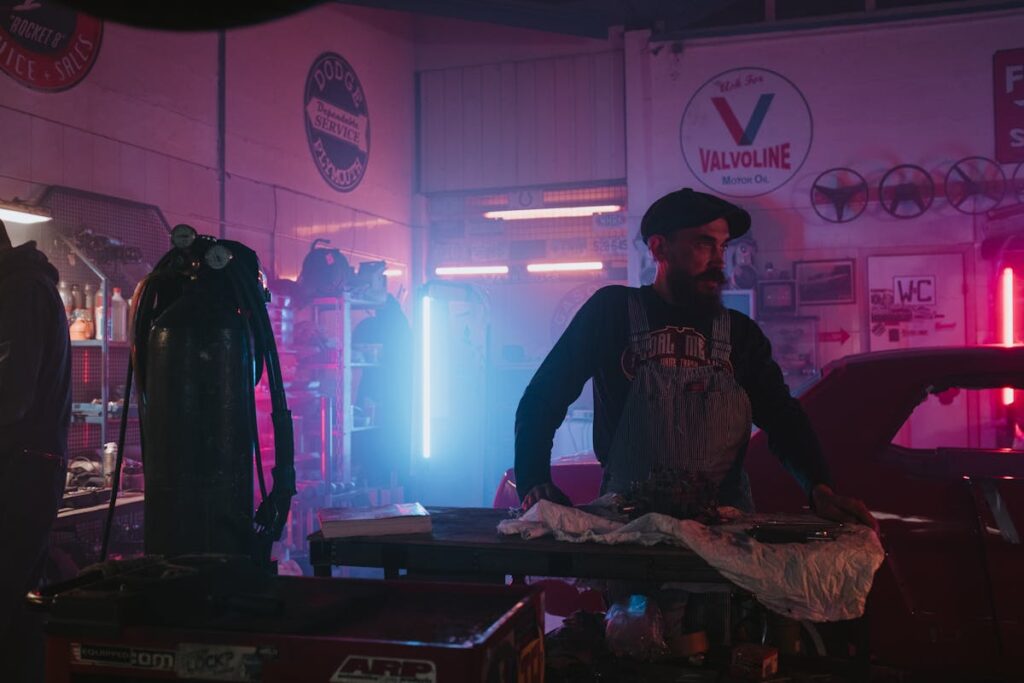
(64, 289)
(89, 298)
(118, 317)
(98, 315)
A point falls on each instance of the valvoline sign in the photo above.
(746, 132)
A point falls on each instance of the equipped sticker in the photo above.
(219, 662)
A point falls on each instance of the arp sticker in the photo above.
(366, 669)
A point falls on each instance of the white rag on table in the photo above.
(817, 581)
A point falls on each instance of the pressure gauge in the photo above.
(182, 236)
(218, 256)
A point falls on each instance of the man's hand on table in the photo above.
(547, 491)
(830, 505)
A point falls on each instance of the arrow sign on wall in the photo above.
(839, 336)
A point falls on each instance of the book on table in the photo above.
(381, 520)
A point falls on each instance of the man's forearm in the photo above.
(534, 438)
(793, 441)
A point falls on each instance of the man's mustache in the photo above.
(716, 276)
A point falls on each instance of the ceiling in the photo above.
(667, 19)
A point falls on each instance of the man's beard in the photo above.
(691, 291)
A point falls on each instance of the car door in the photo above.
(933, 597)
(958, 557)
(996, 482)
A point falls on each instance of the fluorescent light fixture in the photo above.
(331, 228)
(1007, 305)
(426, 360)
(552, 212)
(564, 267)
(471, 270)
(21, 213)
(393, 272)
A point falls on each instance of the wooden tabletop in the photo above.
(465, 543)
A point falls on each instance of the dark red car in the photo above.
(930, 440)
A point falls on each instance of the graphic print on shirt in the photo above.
(673, 347)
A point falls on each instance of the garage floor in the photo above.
(576, 652)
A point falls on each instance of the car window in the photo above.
(799, 386)
(965, 418)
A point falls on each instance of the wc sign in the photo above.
(1008, 90)
(914, 290)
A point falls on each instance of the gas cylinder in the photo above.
(197, 427)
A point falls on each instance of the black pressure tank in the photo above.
(197, 429)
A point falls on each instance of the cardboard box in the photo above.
(754, 662)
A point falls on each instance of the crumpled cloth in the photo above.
(816, 581)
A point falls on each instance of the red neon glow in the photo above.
(1006, 295)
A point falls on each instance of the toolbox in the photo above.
(214, 618)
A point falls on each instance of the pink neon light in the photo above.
(1008, 323)
(1007, 297)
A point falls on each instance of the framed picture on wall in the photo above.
(825, 282)
(776, 297)
(794, 342)
(741, 300)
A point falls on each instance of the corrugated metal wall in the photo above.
(540, 122)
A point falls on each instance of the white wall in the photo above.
(544, 121)
(275, 187)
(506, 107)
(142, 125)
(880, 95)
(442, 43)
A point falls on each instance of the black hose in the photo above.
(272, 513)
(145, 301)
(116, 483)
(238, 286)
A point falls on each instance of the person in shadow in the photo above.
(35, 412)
